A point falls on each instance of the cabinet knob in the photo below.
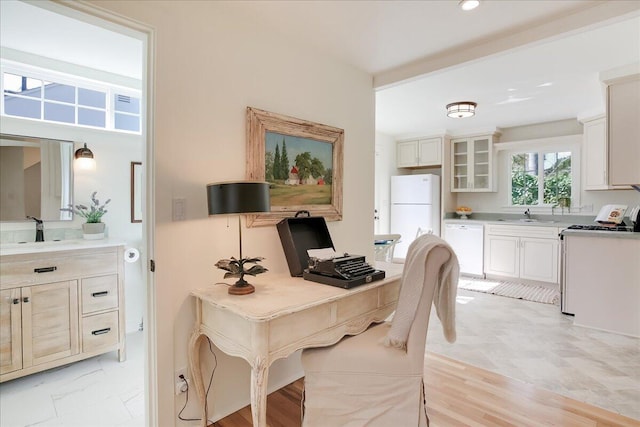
(16, 301)
(25, 299)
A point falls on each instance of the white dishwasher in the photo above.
(467, 241)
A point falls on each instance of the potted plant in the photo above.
(93, 228)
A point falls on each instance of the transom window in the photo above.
(39, 97)
(541, 178)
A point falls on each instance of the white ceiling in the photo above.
(425, 45)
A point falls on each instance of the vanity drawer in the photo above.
(99, 293)
(44, 268)
(100, 330)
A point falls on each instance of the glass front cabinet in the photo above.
(472, 164)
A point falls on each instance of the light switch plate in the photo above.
(178, 211)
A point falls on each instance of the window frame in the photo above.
(110, 90)
(570, 143)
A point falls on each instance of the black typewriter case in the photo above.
(298, 234)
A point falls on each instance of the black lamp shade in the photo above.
(238, 197)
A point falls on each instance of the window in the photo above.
(541, 178)
(70, 100)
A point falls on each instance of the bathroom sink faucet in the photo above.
(39, 229)
(528, 213)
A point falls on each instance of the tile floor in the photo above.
(535, 343)
(95, 392)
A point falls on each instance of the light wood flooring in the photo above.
(462, 395)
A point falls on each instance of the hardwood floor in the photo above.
(461, 395)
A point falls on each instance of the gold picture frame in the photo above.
(313, 161)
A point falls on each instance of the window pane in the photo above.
(91, 117)
(557, 178)
(59, 113)
(92, 98)
(127, 122)
(24, 86)
(22, 107)
(524, 179)
(127, 104)
(60, 92)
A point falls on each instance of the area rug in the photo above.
(523, 291)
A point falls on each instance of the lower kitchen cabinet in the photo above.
(602, 281)
(59, 307)
(524, 252)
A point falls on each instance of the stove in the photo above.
(619, 227)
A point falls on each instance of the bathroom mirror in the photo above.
(36, 178)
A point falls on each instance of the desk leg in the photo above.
(259, 380)
(196, 372)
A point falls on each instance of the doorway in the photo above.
(99, 387)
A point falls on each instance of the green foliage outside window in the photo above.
(556, 179)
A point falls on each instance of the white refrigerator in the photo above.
(415, 208)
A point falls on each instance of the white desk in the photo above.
(285, 314)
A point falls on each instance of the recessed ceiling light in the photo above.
(546, 84)
(469, 4)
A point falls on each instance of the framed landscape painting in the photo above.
(302, 161)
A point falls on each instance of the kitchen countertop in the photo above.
(602, 234)
(561, 222)
(55, 246)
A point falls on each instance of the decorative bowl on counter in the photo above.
(463, 212)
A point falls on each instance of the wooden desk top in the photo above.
(280, 294)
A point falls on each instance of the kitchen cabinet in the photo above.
(524, 252)
(602, 281)
(623, 110)
(472, 164)
(419, 153)
(595, 151)
(59, 307)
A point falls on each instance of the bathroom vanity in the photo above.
(60, 302)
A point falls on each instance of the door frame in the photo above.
(95, 15)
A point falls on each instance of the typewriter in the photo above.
(343, 271)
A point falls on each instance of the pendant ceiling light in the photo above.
(458, 110)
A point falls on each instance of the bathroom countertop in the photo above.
(56, 246)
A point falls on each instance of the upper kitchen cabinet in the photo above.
(594, 154)
(419, 153)
(472, 164)
(623, 114)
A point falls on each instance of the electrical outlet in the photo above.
(180, 386)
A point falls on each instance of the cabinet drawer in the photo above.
(36, 269)
(99, 331)
(99, 293)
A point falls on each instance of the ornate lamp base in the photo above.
(241, 287)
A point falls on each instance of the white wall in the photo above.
(113, 153)
(211, 65)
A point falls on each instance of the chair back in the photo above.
(417, 338)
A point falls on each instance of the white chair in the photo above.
(384, 245)
(375, 379)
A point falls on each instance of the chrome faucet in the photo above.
(528, 213)
(39, 228)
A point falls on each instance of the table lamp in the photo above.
(239, 198)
